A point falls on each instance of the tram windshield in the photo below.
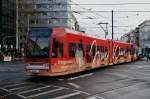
(38, 43)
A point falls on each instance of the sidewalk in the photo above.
(11, 62)
(144, 59)
(15, 60)
(13, 66)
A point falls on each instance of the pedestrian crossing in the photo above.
(26, 90)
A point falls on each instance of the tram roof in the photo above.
(88, 35)
(83, 34)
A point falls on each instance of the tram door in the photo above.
(110, 51)
(88, 55)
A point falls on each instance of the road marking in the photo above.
(74, 85)
(60, 79)
(95, 97)
(5, 89)
(22, 96)
(17, 88)
(34, 89)
(43, 93)
(81, 76)
(14, 85)
(143, 66)
(68, 95)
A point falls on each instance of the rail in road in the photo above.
(26, 90)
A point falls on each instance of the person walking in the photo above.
(147, 52)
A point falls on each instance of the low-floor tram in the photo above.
(60, 51)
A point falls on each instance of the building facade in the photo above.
(7, 23)
(132, 37)
(144, 33)
(46, 13)
(125, 38)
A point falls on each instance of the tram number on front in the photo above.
(35, 71)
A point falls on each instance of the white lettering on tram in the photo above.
(65, 62)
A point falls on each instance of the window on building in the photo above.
(32, 21)
(41, 6)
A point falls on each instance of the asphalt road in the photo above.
(125, 81)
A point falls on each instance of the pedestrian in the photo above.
(147, 52)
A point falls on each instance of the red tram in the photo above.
(60, 51)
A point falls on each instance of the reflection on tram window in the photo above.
(72, 49)
(57, 49)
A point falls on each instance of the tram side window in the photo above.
(81, 46)
(57, 49)
(132, 51)
(60, 52)
(88, 49)
(54, 48)
(102, 49)
(72, 49)
(106, 49)
(88, 54)
(117, 52)
(94, 50)
(121, 51)
(128, 51)
(98, 48)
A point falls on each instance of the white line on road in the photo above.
(22, 96)
(81, 76)
(74, 85)
(17, 88)
(95, 97)
(47, 92)
(13, 85)
(5, 89)
(68, 95)
(34, 89)
(60, 79)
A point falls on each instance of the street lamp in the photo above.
(17, 32)
(28, 18)
(106, 28)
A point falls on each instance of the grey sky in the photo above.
(131, 20)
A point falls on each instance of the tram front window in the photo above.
(38, 43)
